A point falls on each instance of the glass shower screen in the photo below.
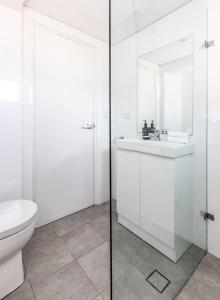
(158, 118)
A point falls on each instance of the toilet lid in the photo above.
(15, 215)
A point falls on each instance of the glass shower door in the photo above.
(159, 145)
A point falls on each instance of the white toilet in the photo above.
(17, 224)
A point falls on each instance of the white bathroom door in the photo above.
(64, 98)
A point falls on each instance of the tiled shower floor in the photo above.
(134, 261)
(139, 261)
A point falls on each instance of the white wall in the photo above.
(10, 103)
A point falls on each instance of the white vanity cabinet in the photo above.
(158, 197)
(155, 197)
(128, 185)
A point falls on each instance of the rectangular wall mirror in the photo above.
(165, 86)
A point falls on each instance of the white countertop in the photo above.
(161, 148)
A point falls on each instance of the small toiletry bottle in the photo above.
(145, 129)
(163, 136)
(152, 127)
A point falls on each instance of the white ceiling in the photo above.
(91, 16)
(130, 16)
(15, 4)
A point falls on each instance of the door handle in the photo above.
(88, 126)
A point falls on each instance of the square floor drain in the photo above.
(158, 281)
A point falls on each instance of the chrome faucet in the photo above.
(156, 135)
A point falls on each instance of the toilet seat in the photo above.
(15, 216)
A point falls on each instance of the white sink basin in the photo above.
(161, 148)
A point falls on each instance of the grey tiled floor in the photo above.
(68, 259)
(134, 260)
(205, 282)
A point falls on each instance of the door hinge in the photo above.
(209, 44)
(207, 216)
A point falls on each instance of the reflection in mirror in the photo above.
(165, 86)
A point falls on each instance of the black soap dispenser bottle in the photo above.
(145, 131)
(152, 127)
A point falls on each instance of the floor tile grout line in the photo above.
(91, 222)
(47, 276)
(133, 264)
(59, 269)
(89, 279)
(56, 221)
(60, 237)
(91, 250)
(35, 297)
(98, 296)
(131, 267)
(85, 271)
(74, 260)
(38, 282)
(99, 244)
(105, 238)
(27, 273)
(103, 215)
(86, 223)
(76, 213)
